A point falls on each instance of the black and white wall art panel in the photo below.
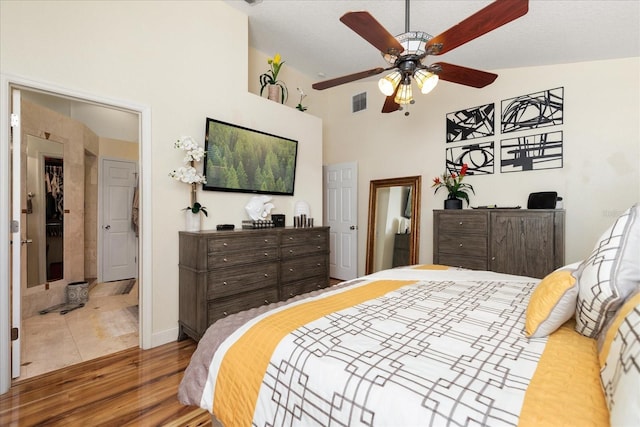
(478, 157)
(532, 111)
(531, 152)
(476, 122)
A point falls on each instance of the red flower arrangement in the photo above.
(453, 182)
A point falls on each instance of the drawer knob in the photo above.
(224, 313)
(460, 245)
(291, 269)
(266, 240)
(224, 259)
(290, 251)
(460, 222)
(224, 244)
(266, 275)
(318, 265)
(290, 237)
(318, 247)
(266, 301)
(291, 294)
(224, 283)
(266, 254)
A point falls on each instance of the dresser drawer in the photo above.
(455, 260)
(221, 308)
(237, 242)
(289, 252)
(464, 223)
(303, 286)
(463, 244)
(301, 268)
(310, 237)
(224, 282)
(248, 256)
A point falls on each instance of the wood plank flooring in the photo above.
(130, 388)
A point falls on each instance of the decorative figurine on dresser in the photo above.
(526, 242)
(224, 272)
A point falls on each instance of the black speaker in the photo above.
(542, 200)
(278, 220)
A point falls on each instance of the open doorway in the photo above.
(56, 332)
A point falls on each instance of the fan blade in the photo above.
(326, 84)
(389, 104)
(464, 76)
(488, 19)
(367, 27)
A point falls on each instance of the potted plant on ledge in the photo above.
(276, 89)
(456, 189)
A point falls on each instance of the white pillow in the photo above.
(609, 274)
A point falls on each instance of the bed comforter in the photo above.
(402, 347)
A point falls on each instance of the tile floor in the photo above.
(106, 324)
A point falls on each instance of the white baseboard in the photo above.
(164, 337)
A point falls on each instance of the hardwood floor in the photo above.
(130, 388)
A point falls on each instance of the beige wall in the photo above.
(601, 133)
(115, 148)
(185, 61)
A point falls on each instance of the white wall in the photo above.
(601, 133)
(186, 60)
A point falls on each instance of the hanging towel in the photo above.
(135, 210)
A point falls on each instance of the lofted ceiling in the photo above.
(310, 37)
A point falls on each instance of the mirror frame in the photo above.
(410, 181)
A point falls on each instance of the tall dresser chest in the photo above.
(527, 242)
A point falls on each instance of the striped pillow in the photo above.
(609, 274)
(619, 368)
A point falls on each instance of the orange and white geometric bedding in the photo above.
(409, 346)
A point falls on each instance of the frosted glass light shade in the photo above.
(388, 83)
(404, 95)
(425, 80)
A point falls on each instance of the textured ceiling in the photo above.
(310, 37)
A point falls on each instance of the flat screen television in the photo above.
(248, 161)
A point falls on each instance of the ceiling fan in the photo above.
(406, 52)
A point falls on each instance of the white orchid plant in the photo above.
(188, 173)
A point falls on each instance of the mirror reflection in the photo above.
(394, 222)
(45, 210)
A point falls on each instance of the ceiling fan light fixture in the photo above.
(404, 95)
(389, 83)
(425, 80)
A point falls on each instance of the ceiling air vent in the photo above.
(359, 102)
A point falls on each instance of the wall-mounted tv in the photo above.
(248, 161)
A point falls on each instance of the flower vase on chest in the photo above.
(452, 203)
(189, 175)
(456, 189)
(192, 221)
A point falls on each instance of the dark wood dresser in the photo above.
(527, 242)
(224, 272)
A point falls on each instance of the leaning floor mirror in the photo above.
(394, 223)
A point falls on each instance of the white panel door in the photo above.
(341, 214)
(17, 233)
(119, 242)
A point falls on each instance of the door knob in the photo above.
(107, 227)
(353, 227)
(26, 241)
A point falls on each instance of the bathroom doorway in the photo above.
(68, 202)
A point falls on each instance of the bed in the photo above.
(434, 345)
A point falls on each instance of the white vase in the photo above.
(192, 221)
